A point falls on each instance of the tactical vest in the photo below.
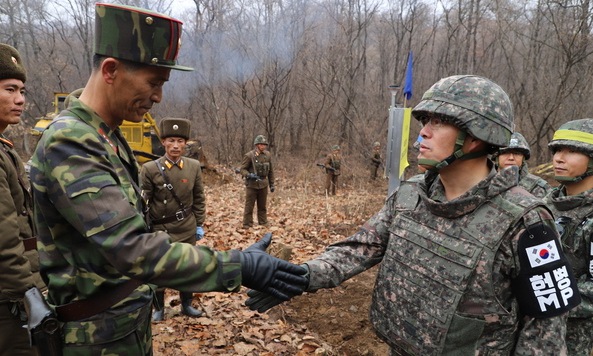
(335, 162)
(576, 228)
(261, 165)
(429, 266)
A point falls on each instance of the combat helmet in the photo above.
(376, 144)
(576, 135)
(260, 139)
(476, 105)
(518, 143)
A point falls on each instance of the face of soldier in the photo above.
(569, 163)
(261, 147)
(136, 89)
(174, 147)
(438, 139)
(511, 158)
(12, 102)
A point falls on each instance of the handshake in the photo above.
(271, 280)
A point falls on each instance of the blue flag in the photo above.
(408, 85)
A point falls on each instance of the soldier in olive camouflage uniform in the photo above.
(572, 205)
(332, 164)
(98, 257)
(516, 153)
(258, 171)
(19, 261)
(172, 186)
(376, 160)
(470, 262)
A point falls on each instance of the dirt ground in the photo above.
(340, 316)
(328, 322)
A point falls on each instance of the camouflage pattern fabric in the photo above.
(137, 35)
(92, 234)
(535, 185)
(518, 143)
(472, 103)
(574, 215)
(487, 320)
(577, 134)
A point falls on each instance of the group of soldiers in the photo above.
(471, 263)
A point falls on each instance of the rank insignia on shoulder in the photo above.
(545, 286)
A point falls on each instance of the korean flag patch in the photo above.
(545, 286)
(543, 254)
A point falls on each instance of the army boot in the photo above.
(186, 307)
(159, 315)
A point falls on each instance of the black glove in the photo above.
(272, 188)
(252, 176)
(271, 275)
(262, 302)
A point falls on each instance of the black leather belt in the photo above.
(178, 216)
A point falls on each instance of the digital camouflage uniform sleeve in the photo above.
(357, 253)
(93, 234)
(543, 336)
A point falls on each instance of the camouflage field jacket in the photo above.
(490, 320)
(92, 232)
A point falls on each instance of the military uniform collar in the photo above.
(170, 164)
(85, 113)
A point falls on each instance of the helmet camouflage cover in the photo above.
(517, 143)
(577, 134)
(474, 104)
(137, 35)
(260, 139)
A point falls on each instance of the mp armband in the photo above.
(545, 286)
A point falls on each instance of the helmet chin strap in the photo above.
(588, 172)
(458, 153)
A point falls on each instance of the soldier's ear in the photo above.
(109, 68)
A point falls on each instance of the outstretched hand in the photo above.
(265, 273)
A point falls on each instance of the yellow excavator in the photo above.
(143, 137)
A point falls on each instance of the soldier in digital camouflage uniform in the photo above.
(98, 257)
(516, 153)
(572, 205)
(258, 171)
(172, 186)
(333, 163)
(376, 160)
(19, 261)
(471, 263)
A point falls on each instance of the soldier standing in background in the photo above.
(172, 186)
(98, 257)
(258, 171)
(572, 205)
(516, 153)
(19, 261)
(376, 160)
(193, 149)
(332, 164)
(469, 263)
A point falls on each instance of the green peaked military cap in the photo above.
(137, 35)
(11, 65)
(174, 127)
